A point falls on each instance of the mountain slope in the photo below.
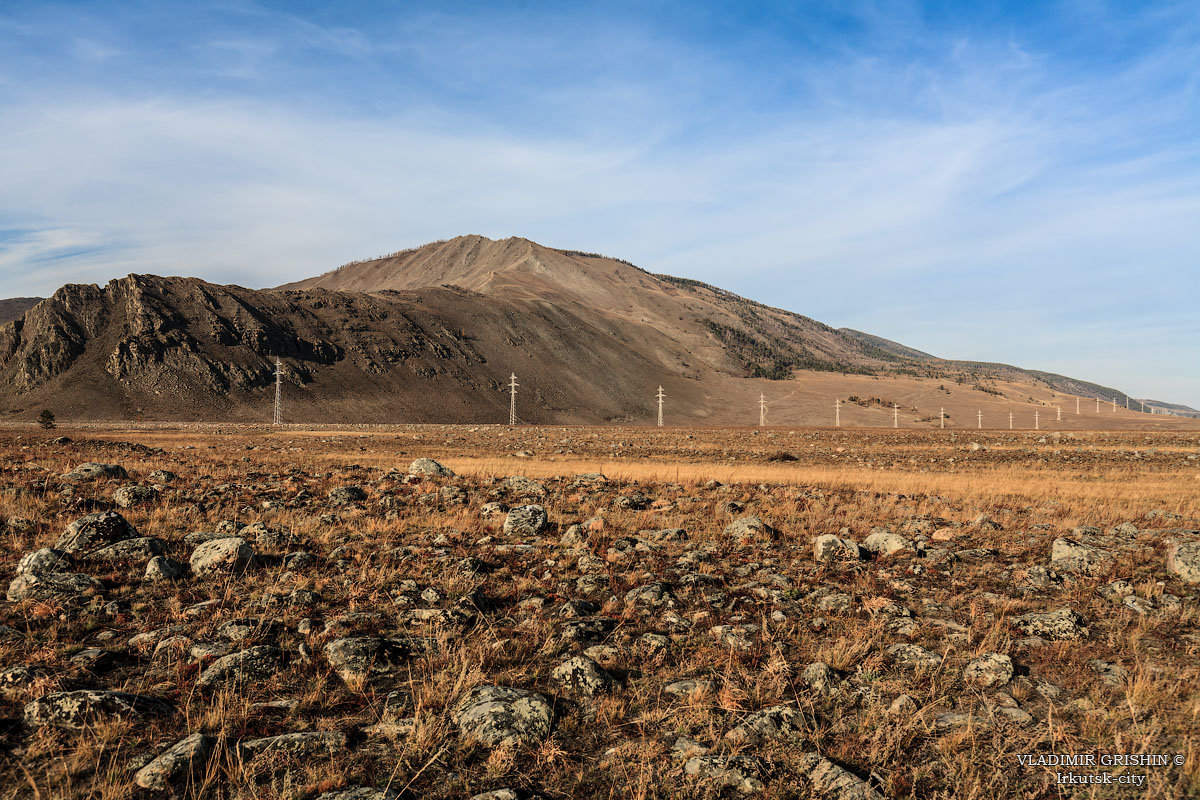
(13, 307)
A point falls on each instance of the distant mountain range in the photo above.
(432, 334)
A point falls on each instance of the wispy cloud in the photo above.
(977, 186)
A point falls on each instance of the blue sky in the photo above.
(996, 181)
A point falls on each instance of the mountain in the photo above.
(433, 334)
(15, 307)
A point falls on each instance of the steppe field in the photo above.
(575, 612)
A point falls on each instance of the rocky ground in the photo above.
(256, 616)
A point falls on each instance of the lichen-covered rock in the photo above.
(254, 664)
(914, 656)
(500, 716)
(740, 773)
(177, 763)
(1183, 560)
(1061, 624)
(94, 531)
(143, 548)
(304, 743)
(990, 669)
(93, 471)
(831, 781)
(429, 468)
(527, 520)
(360, 793)
(1069, 556)
(134, 495)
(651, 595)
(347, 495)
(830, 547)
(748, 528)
(883, 542)
(359, 657)
(82, 707)
(164, 568)
(583, 676)
(781, 723)
(42, 561)
(226, 555)
(51, 584)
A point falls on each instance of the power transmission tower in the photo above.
(1010, 420)
(979, 416)
(1036, 422)
(837, 413)
(660, 397)
(942, 415)
(278, 392)
(895, 416)
(512, 399)
(762, 410)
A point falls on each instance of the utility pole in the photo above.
(979, 416)
(1143, 402)
(1097, 405)
(1010, 420)
(1036, 422)
(895, 416)
(1059, 419)
(762, 409)
(660, 397)
(1114, 405)
(278, 392)
(512, 399)
(837, 413)
(1076, 405)
(1126, 402)
(942, 415)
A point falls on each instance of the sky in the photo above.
(1015, 182)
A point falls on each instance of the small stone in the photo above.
(164, 568)
(583, 676)
(990, 669)
(1061, 624)
(252, 665)
(130, 496)
(500, 716)
(829, 547)
(82, 707)
(1183, 560)
(914, 656)
(228, 555)
(527, 520)
(429, 468)
(1069, 556)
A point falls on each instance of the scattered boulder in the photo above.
(230, 554)
(164, 568)
(914, 656)
(500, 716)
(830, 547)
(177, 763)
(883, 542)
(1061, 624)
(360, 793)
(92, 471)
(429, 468)
(83, 707)
(781, 723)
(347, 495)
(740, 773)
(748, 528)
(583, 676)
(143, 548)
(990, 669)
(1183, 560)
(255, 664)
(94, 531)
(305, 743)
(836, 783)
(51, 584)
(527, 520)
(1069, 556)
(360, 657)
(134, 495)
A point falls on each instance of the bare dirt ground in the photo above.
(238, 612)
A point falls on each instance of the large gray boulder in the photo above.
(429, 468)
(51, 584)
(230, 554)
(525, 521)
(83, 707)
(134, 495)
(94, 531)
(177, 763)
(1070, 556)
(93, 471)
(1061, 624)
(360, 657)
(255, 664)
(500, 716)
(1183, 560)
